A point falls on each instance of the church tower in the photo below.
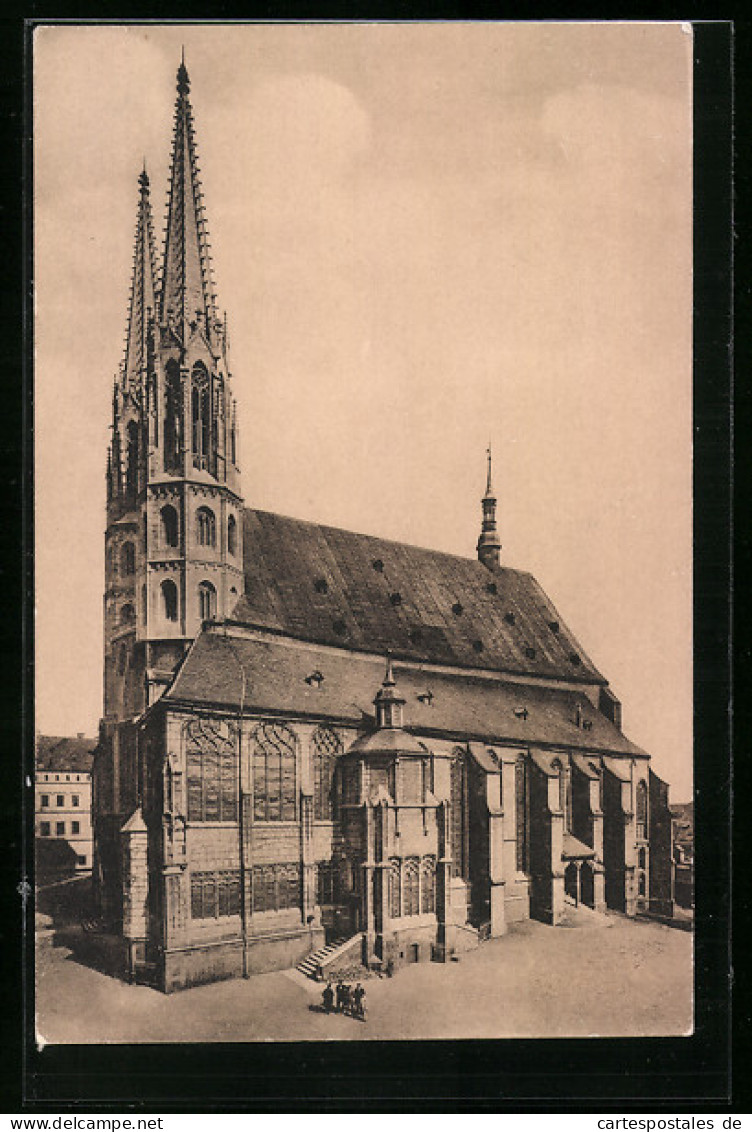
(173, 545)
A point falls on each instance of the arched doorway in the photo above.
(571, 883)
(587, 884)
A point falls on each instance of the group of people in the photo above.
(345, 999)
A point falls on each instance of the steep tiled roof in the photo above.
(61, 753)
(335, 587)
(290, 679)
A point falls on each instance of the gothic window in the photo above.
(206, 525)
(232, 535)
(207, 601)
(520, 799)
(411, 896)
(642, 809)
(168, 517)
(131, 477)
(215, 894)
(326, 882)
(428, 885)
(411, 773)
(169, 600)
(217, 419)
(274, 773)
(212, 771)
(458, 815)
(111, 561)
(395, 895)
(127, 558)
(127, 614)
(276, 888)
(143, 602)
(200, 417)
(350, 777)
(122, 660)
(326, 747)
(173, 417)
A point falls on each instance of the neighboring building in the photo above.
(683, 821)
(311, 734)
(62, 805)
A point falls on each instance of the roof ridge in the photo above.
(383, 538)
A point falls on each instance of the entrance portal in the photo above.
(571, 883)
(587, 885)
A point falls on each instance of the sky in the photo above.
(427, 237)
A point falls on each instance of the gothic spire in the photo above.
(489, 543)
(186, 294)
(142, 298)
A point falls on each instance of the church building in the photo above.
(316, 742)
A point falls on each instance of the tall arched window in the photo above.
(274, 773)
(127, 558)
(127, 614)
(168, 518)
(131, 474)
(207, 601)
(458, 816)
(428, 885)
(520, 807)
(169, 600)
(217, 423)
(411, 896)
(395, 893)
(206, 527)
(200, 417)
(326, 748)
(641, 806)
(232, 535)
(173, 417)
(212, 770)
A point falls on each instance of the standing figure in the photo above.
(359, 1003)
(328, 998)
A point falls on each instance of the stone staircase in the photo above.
(315, 963)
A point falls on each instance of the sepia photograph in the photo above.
(363, 531)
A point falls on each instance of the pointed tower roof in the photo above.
(489, 485)
(186, 286)
(142, 298)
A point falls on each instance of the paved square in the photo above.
(600, 976)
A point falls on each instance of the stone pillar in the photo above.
(557, 846)
(134, 840)
(445, 929)
(496, 873)
(630, 850)
(373, 835)
(307, 878)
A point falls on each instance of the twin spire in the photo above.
(142, 298)
(184, 298)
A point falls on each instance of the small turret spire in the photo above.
(489, 543)
(389, 702)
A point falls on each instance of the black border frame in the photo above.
(682, 1074)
